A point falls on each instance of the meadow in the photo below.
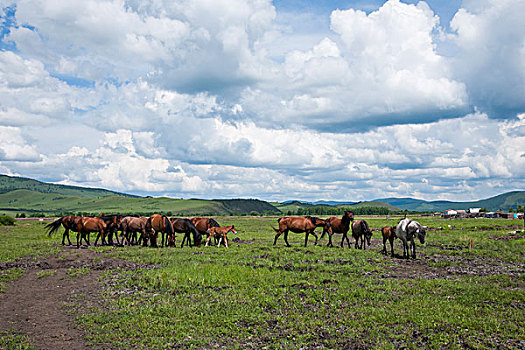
(466, 289)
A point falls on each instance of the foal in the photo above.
(221, 232)
(389, 233)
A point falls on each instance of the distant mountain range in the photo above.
(501, 202)
(19, 194)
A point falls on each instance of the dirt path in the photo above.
(35, 304)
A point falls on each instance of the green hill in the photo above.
(23, 195)
(11, 183)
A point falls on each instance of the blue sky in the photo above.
(335, 100)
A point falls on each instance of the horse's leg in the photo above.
(384, 245)
(306, 234)
(391, 239)
(413, 246)
(315, 235)
(330, 239)
(78, 241)
(343, 241)
(226, 240)
(276, 236)
(286, 238)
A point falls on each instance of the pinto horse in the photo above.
(336, 225)
(158, 223)
(360, 230)
(130, 225)
(306, 224)
(186, 226)
(389, 233)
(69, 222)
(221, 232)
(407, 230)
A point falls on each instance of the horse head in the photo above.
(233, 230)
(421, 233)
(349, 214)
(368, 234)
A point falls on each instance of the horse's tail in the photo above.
(168, 225)
(54, 226)
(276, 230)
(365, 227)
(214, 223)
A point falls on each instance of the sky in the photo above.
(276, 100)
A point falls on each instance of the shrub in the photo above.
(6, 220)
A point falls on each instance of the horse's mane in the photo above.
(214, 223)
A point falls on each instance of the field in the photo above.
(466, 289)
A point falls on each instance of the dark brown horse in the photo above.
(158, 223)
(69, 222)
(336, 225)
(220, 232)
(185, 226)
(360, 230)
(296, 224)
(389, 233)
(130, 225)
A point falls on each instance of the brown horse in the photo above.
(88, 225)
(130, 225)
(336, 225)
(360, 230)
(69, 222)
(204, 224)
(389, 233)
(296, 224)
(221, 232)
(112, 227)
(159, 223)
(185, 226)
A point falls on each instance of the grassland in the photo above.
(256, 295)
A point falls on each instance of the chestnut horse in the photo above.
(69, 222)
(360, 230)
(221, 232)
(112, 227)
(87, 225)
(185, 226)
(130, 225)
(204, 224)
(306, 224)
(389, 233)
(336, 225)
(158, 223)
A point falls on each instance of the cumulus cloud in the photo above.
(198, 99)
(490, 37)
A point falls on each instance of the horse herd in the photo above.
(406, 230)
(148, 228)
(197, 227)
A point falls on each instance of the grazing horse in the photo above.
(336, 225)
(296, 224)
(88, 224)
(69, 222)
(221, 232)
(130, 225)
(158, 223)
(360, 230)
(407, 230)
(185, 226)
(112, 227)
(204, 224)
(389, 233)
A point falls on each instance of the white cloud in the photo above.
(490, 37)
(14, 147)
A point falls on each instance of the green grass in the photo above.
(255, 295)
(11, 341)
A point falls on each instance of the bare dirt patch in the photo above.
(39, 303)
